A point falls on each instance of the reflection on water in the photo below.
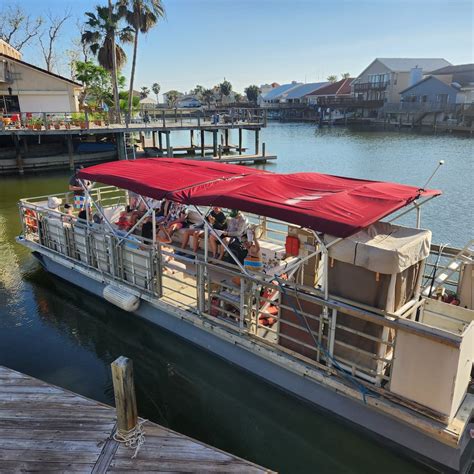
(56, 332)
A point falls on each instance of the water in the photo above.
(56, 332)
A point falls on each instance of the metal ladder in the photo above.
(465, 255)
(128, 138)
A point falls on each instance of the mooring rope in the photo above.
(133, 438)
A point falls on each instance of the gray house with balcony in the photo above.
(430, 91)
(384, 78)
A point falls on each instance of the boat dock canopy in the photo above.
(330, 204)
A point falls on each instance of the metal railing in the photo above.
(162, 118)
(276, 308)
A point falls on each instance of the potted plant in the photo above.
(57, 125)
(37, 124)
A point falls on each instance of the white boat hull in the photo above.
(419, 445)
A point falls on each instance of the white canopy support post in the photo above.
(236, 260)
(147, 213)
(97, 205)
(416, 205)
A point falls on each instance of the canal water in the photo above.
(60, 334)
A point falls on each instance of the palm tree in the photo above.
(252, 93)
(172, 97)
(144, 93)
(332, 78)
(345, 75)
(142, 16)
(156, 90)
(100, 33)
(225, 88)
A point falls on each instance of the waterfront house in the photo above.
(264, 90)
(275, 96)
(298, 94)
(189, 101)
(334, 93)
(384, 78)
(460, 76)
(430, 91)
(28, 88)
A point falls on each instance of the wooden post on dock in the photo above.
(19, 158)
(226, 138)
(214, 142)
(263, 149)
(168, 144)
(257, 141)
(220, 152)
(70, 151)
(124, 391)
(160, 142)
(203, 136)
(142, 140)
(191, 138)
(240, 141)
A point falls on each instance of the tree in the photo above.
(97, 83)
(17, 27)
(345, 75)
(142, 16)
(156, 90)
(172, 97)
(332, 78)
(144, 92)
(252, 93)
(208, 96)
(237, 97)
(48, 39)
(225, 88)
(103, 28)
(198, 91)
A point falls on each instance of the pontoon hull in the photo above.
(418, 444)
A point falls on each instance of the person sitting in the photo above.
(218, 221)
(253, 261)
(175, 219)
(75, 186)
(236, 227)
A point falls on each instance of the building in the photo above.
(28, 88)
(384, 78)
(334, 93)
(188, 101)
(431, 92)
(298, 94)
(462, 77)
(275, 95)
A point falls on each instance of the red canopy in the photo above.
(330, 204)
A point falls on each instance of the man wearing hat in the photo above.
(75, 185)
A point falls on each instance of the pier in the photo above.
(208, 134)
(47, 428)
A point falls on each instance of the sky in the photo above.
(264, 41)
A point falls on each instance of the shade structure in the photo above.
(329, 204)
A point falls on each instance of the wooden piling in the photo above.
(240, 141)
(257, 141)
(153, 138)
(124, 391)
(214, 142)
(19, 157)
(226, 137)
(203, 137)
(70, 151)
(160, 141)
(168, 144)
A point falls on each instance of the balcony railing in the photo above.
(370, 86)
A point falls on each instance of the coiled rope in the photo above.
(133, 439)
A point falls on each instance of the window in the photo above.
(9, 104)
(424, 98)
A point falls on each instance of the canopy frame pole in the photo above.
(96, 204)
(311, 255)
(416, 205)
(236, 260)
(147, 213)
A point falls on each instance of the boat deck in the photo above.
(46, 428)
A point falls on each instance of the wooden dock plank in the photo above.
(45, 428)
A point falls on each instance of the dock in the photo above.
(65, 130)
(47, 428)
